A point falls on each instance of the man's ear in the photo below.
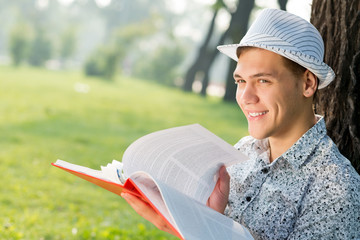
(310, 83)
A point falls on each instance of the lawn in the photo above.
(46, 115)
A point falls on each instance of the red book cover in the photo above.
(116, 188)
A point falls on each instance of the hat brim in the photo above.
(325, 74)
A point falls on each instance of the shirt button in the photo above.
(248, 198)
(265, 170)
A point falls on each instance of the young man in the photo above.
(296, 184)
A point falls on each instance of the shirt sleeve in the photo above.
(330, 209)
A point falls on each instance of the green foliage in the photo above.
(219, 4)
(19, 41)
(40, 49)
(162, 65)
(126, 36)
(29, 44)
(159, 62)
(44, 117)
(103, 63)
(105, 60)
(67, 43)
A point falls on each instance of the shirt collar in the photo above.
(298, 153)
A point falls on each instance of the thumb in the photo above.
(224, 181)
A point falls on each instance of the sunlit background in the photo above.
(82, 79)
(68, 34)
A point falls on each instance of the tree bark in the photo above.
(339, 24)
(237, 29)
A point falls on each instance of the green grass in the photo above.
(42, 118)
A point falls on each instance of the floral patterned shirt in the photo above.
(309, 192)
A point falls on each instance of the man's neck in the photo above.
(280, 144)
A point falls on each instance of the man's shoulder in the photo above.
(332, 169)
(328, 154)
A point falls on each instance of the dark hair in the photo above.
(294, 67)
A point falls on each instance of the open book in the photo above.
(175, 171)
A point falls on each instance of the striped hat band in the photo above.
(289, 36)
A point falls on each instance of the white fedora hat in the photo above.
(289, 36)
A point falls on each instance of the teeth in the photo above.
(257, 114)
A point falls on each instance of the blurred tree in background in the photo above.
(19, 42)
(161, 65)
(205, 55)
(67, 44)
(102, 62)
(158, 40)
(107, 59)
(34, 39)
(136, 32)
(40, 48)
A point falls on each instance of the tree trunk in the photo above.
(237, 29)
(339, 24)
(210, 60)
(198, 64)
(282, 4)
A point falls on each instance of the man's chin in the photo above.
(258, 136)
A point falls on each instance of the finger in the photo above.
(224, 181)
(219, 197)
(141, 207)
(147, 212)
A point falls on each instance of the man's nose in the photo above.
(248, 95)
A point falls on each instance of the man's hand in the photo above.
(217, 201)
(220, 196)
(147, 212)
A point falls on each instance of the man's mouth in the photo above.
(256, 114)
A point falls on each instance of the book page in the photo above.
(85, 170)
(100, 178)
(108, 173)
(191, 218)
(197, 221)
(186, 158)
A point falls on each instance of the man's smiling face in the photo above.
(269, 94)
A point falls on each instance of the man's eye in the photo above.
(263, 81)
(237, 81)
